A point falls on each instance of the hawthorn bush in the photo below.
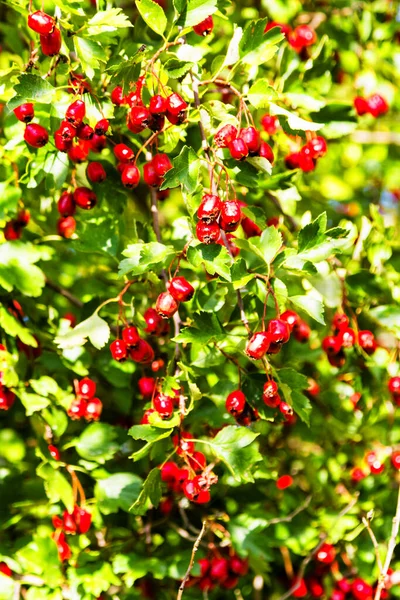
(199, 300)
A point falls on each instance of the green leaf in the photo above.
(267, 245)
(144, 257)
(292, 383)
(107, 21)
(313, 233)
(18, 269)
(204, 329)
(32, 402)
(90, 53)
(31, 87)
(15, 329)
(149, 434)
(192, 12)
(153, 15)
(239, 274)
(9, 196)
(175, 68)
(257, 47)
(97, 442)
(151, 491)
(294, 122)
(388, 317)
(310, 305)
(56, 485)
(45, 386)
(185, 171)
(261, 93)
(234, 446)
(94, 328)
(56, 165)
(213, 257)
(118, 491)
(233, 55)
(260, 163)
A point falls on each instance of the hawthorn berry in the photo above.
(176, 105)
(266, 151)
(225, 136)
(164, 405)
(94, 407)
(123, 153)
(191, 490)
(130, 336)
(150, 175)
(361, 590)
(85, 132)
(35, 135)
(258, 345)
(361, 105)
(209, 209)
(270, 124)
(285, 409)
(98, 143)
(51, 43)
(5, 569)
(85, 198)
(302, 332)
(301, 37)
(101, 127)
(180, 289)
(25, 112)
(146, 386)
(86, 388)
(318, 146)
(66, 227)
(166, 305)
(230, 216)
(235, 403)
(197, 461)
(12, 231)
(7, 398)
(75, 113)
(79, 152)
(395, 459)
(77, 408)
(161, 164)
(130, 176)
(208, 233)
(142, 352)
(285, 29)
(205, 27)
(219, 569)
(331, 345)
(251, 138)
(347, 337)
(291, 318)
(284, 482)
(154, 323)
(117, 96)
(292, 161)
(367, 341)
(95, 172)
(41, 22)
(326, 554)
(182, 444)
(377, 105)
(278, 330)
(145, 418)
(340, 322)
(270, 394)
(238, 149)
(61, 143)
(54, 452)
(139, 118)
(119, 350)
(394, 385)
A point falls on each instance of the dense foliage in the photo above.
(199, 299)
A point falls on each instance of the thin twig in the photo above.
(390, 550)
(310, 556)
(293, 514)
(374, 542)
(73, 299)
(191, 563)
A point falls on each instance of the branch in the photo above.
(293, 514)
(73, 299)
(191, 563)
(310, 556)
(366, 522)
(390, 550)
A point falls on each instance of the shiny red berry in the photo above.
(161, 164)
(40, 22)
(84, 132)
(130, 176)
(102, 126)
(235, 403)
(180, 289)
(230, 216)
(361, 105)
(94, 408)
(117, 96)
(266, 151)
(85, 198)
(158, 105)
(340, 322)
(164, 405)
(176, 104)
(279, 331)
(123, 153)
(35, 135)
(367, 341)
(291, 318)
(87, 388)
(252, 139)
(208, 233)
(75, 113)
(147, 385)
(66, 227)
(66, 205)
(142, 353)
(131, 336)
(25, 112)
(238, 149)
(270, 124)
(225, 136)
(54, 452)
(95, 172)
(119, 350)
(209, 208)
(139, 118)
(258, 345)
(166, 305)
(205, 27)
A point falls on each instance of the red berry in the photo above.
(60, 143)
(66, 227)
(40, 22)
(377, 105)
(302, 332)
(340, 322)
(66, 205)
(292, 161)
(145, 418)
(270, 123)
(367, 341)
(270, 394)
(101, 127)
(286, 410)
(191, 490)
(95, 172)
(376, 466)
(118, 350)
(12, 231)
(150, 175)
(25, 112)
(54, 452)
(205, 27)
(75, 113)
(164, 405)
(158, 105)
(209, 208)
(85, 198)
(180, 289)
(306, 161)
(235, 403)
(225, 136)
(142, 353)
(83, 519)
(161, 164)
(86, 388)
(331, 345)
(7, 398)
(166, 305)
(5, 569)
(285, 29)
(155, 323)
(230, 215)
(219, 569)
(266, 151)
(130, 336)
(238, 149)
(301, 37)
(51, 44)
(258, 345)
(79, 152)
(98, 142)
(208, 233)
(313, 387)
(117, 96)
(64, 551)
(139, 118)
(284, 482)
(361, 590)
(182, 444)
(279, 331)
(326, 554)
(394, 385)
(252, 139)
(147, 385)
(395, 458)
(291, 318)
(361, 105)
(176, 105)
(197, 461)
(77, 408)
(66, 131)
(239, 566)
(93, 409)
(35, 135)
(85, 132)
(337, 595)
(347, 337)
(301, 589)
(123, 153)
(318, 146)
(169, 472)
(130, 176)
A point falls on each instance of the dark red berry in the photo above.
(117, 96)
(130, 176)
(230, 215)
(40, 22)
(79, 152)
(119, 350)
(205, 27)
(166, 305)
(331, 345)
(85, 132)
(123, 153)
(367, 341)
(209, 208)
(292, 161)
(142, 352)
(279, 331)
(161, 164)
(225, 136)
(130, 336)
(66, 227)
(35, 135)
(25, 112)
(51, 44)
(302, 332)
(60, 143)
(258, 345)
(208, 233)
(66, 205)
(266, 151)
(361, 105)
(238, 149)
(252, 139)
(147, 385)
(235, 403)
(180, 289)
(85, 198)
(12, 231)
(101, 127)
(150, 175)
(95, 172)
(139, 118)
(98, 142)
(291, 318)
(176, 104)
(154, 323)
(164, 405)
(158, 105)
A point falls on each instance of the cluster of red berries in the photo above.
(50, 35)
(236, 404)
(77, 522)
(153, 171)
(82, 197)
(133, 346)
(219, 569)
(358, 589)
(374, 105)
(345, 337)
(178, 290)
(243, 142)
(214, 216)
(85, 405)
(306, 158)
(270, 124)
(195, 479)
(270, 341)
(35, 135)
(13, 229)
(7, 397)
(73, 127)
(375, 465)
(299, 38)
